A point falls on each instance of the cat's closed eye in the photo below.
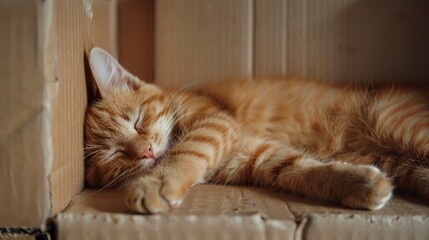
(138, 125)
(116, 154)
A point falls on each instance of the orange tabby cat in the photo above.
(335, 143)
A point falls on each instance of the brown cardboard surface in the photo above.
(364, 227)
(336, 40)
(202, 200)
(42, 103)
(117, 226)
(136, 41)
(270, 38)
(25, 158)
(209, 212)
(69, 101)
(104, 24)
(202, 40)
(261, 212)
(354, 40)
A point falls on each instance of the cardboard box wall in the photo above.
(104, 25)
(334, 40)
(43, 99)
(195, 40)
(136, 30)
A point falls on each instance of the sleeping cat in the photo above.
(336, 143)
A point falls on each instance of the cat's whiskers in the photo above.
(182, 89)
(93, 154)
(92, 147)
(184, 115)
(172, 115)
(185, 104)
(120, 178)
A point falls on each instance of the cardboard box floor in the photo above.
(237, 212)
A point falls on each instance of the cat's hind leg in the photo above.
(407, 174)
(262, 162)
(396, 126)
(397, 121)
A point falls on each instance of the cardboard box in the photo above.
(43, 101)
(44, 95)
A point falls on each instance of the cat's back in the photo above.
(270, 99)
(303, 111)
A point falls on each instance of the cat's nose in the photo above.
(146, 153)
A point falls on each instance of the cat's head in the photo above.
(128, 128)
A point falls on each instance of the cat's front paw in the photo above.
(151, 194)
(368, 188)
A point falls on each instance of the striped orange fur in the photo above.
(345, 144)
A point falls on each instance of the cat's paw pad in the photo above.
(144, 196)
(174, 192)
(134, 199)
(155, 195)
(370, 189)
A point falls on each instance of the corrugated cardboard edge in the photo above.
(240, 226)
(206, 210)
(121, 226)
(354, 226)
(280, 215)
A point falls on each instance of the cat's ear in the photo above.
(109, 75)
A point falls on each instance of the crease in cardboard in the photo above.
(301, 226)
(51, 89)
(295, 215)
(12, 181)
(87, 4)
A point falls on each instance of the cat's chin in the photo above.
(147, 163)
